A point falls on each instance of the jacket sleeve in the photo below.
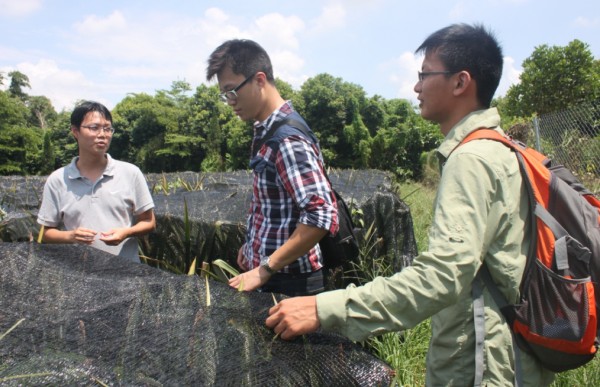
(466, 215)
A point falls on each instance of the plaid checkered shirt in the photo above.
(289, 187)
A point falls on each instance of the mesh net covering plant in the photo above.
(73, 315)
(214, 206)
(216, 215)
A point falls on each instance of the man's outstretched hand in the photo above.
(294, 317)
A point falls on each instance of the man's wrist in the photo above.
(267, 267)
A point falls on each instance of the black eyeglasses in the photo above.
(96, 128)
(231, 95)
(424, 74)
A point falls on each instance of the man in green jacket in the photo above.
(480, 214)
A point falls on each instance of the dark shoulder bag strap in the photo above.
(297, 124)
(259, 143)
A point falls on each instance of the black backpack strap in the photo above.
(260, 142)
(294, 123)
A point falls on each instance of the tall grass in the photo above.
(405, 351)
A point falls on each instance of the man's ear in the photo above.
(75, 131)
(463, 81)
(464, 78)
(261, 78)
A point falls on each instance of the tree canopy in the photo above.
(177, 130)
(554, 78)
(185, 129)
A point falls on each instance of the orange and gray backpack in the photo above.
(555, 319)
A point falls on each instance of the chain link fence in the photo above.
(570, 137)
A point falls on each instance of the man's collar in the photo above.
(486, 118)
(261, 127)
(74, 173)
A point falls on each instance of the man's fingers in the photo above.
(279, 326)
(287, 334)
(274, 317)
(279, 323)
(274, 309)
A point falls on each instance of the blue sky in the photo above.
(103, 50)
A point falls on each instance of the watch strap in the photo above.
(268, 268)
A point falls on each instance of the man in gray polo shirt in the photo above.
(96, 200)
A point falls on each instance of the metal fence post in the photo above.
(536, 128)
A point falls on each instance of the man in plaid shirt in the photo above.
(293, 205)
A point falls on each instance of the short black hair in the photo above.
(470, 48)
(243, 56)
(86, 107)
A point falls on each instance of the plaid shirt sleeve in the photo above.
(301, 174)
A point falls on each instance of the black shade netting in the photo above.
(202, 216)
(73, 315)
(215, 215)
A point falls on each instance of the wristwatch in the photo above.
(268, 268)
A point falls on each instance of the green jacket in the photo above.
(480, 213)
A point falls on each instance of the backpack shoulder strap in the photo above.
(290, 121)
(517, 146)
(487, 134)
(297, 125)
(484, 278)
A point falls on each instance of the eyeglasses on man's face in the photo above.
(95, 129)
(231, 95)
(425, 74)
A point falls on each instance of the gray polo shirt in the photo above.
(71, 200)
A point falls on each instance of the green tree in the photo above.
(357, 141)
(12, 111)
(226, 139)
(146, 132)
(19, 142)
(330, 104)
(183, 144)
(19, 151)
(62, 142)
(48, 155)
(398, 146)
(42, 111)
(18, 81)
(178, 92)
(373, 114)
(554, 78)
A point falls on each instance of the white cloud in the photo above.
(586, 22)
(127, 55)
(11, 54)
(502, 2)
(458, 11)
(93, 25)
(216, 27)
(275, 31)
(510, 76)
(113, 38)
(279, 35)
(62, 87)
(16, 8)
(403, 74)
(288, 65)
(333, 16)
